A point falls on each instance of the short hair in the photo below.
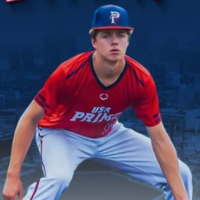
(93, 33)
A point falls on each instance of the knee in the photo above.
(185, 173)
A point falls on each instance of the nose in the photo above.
(114, 40)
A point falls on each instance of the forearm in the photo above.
(23, 136)
(167, 157)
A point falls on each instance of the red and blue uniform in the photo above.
(75, 99)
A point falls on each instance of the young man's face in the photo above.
(111, 44)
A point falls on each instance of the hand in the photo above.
(13, 188)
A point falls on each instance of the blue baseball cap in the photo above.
(110, 17)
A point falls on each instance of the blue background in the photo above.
(36, 36)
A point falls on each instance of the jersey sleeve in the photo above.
(51, 93)
(147, 106)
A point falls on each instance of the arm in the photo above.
(47, 100)
(167, 158)
(147, 109)
(23, 136)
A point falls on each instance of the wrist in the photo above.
(13, 173)
(182, 196)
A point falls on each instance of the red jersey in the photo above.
(74, 98)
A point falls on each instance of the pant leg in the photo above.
(132, 153)
(61, 153)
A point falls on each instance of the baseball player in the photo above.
(75, 117)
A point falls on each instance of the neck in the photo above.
(107, 69)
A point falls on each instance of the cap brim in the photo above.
(112, 27)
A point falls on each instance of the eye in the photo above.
(121, 34)
(105, 35)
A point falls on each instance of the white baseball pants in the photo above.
(124, 149)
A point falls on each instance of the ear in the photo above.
(128, 41)
(127, 44)
(93, 41)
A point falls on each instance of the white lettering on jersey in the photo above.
(78, 115)
(98, 114)
(88, 117)
(101, 109)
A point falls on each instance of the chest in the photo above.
(89, 95)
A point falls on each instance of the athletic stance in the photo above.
(75, 116)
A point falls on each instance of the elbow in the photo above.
(27, 118)
(163, 144)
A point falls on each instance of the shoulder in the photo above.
(74, 63)
(68, 68)
(138, 70)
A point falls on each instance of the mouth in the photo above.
(114, 51)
